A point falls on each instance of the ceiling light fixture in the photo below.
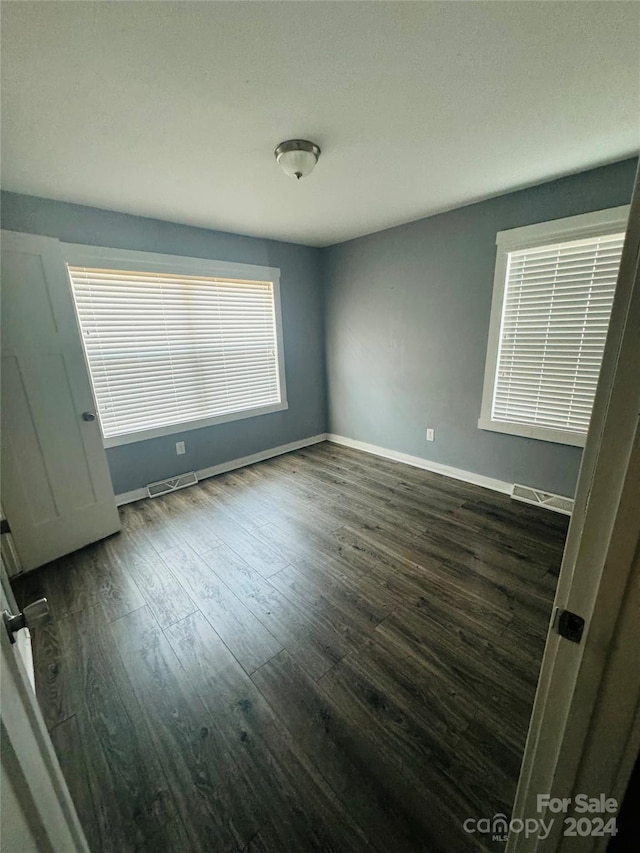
(297, 157)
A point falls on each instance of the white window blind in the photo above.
(556, 309)
(170, 349)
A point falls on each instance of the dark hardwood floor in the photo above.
(325, 651)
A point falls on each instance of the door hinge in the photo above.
(4, 526)
(570, 626)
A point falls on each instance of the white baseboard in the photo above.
(129, 497)
(139, 494)
(425, 464)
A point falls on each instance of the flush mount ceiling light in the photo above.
(297, 157)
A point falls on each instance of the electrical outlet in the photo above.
(180, 448)
(431, 435)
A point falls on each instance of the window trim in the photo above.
(77, 254)
(559, 230)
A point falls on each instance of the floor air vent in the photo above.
(172, 484)
(558, 503)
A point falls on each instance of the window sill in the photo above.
(555, 436)
(188, 426)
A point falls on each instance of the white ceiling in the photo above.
(172, 110)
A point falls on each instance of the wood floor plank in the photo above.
(216, 805)
(134, 798)
(172, 838)
(247, 637)
(401, 755)
(67, 583)
(295, 834)
(226, 502)
(310, 637)
(365, 503)
(525, 598)
(422, 503)
(445, 710)
(323, 651)
(279, 773)
(159, 588)
(422, 478)
(190, 516)
(327, 738)
(323, 558)
(52, 673)
(253, 550)
(116, 589)
(484, 765)
(68, 746)
(320, 594)
(287, 498)
(417, 584)
(499, 688)
(154, 523)
(514, 519)
(391, 487)
(507, 598)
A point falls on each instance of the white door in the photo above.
(37, 813)
(56, 487)
(585, 728)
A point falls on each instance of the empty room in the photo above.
(320, 456)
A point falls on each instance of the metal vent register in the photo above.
(172, 484)
(557, 503)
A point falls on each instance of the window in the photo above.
(170, 346)
(552, 300)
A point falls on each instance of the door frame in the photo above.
(10, 558)
(584, 733)
(39, 794)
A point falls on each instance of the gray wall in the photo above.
(134, 465)
(407, 319)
